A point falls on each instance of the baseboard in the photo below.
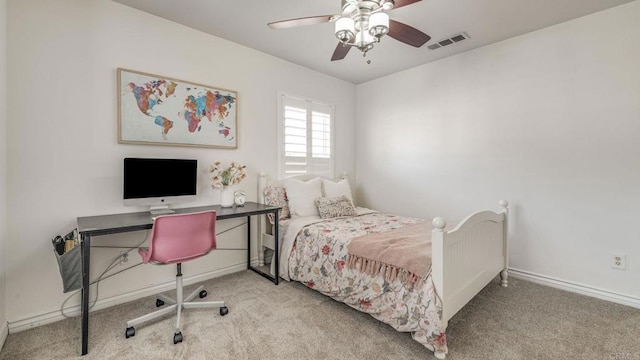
(576, 288)
(4, 332)
(74, 310)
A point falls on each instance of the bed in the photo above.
(436, 269)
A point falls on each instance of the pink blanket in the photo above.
(403, 253)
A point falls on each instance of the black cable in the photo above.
(119, 259)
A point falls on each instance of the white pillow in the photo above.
(334, 189)
(302, 196)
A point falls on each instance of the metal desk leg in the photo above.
(249, 242)
(84, 309)
(277, 247)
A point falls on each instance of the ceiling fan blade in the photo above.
(340, 52)
(401, 3)
(407, 34)
(311, 20)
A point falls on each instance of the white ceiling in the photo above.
(485, 21)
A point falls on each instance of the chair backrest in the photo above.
(181, 237)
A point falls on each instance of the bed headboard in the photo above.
(263, 181)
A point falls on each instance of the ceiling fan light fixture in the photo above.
(364, 41)
(379, 24)
(387, 5)
(345, 29)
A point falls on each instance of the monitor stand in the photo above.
(161, 210)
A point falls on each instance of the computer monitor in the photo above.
(157, 183)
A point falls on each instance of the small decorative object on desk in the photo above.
(240, 197)
(224, 177)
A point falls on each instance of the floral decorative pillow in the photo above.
(335, 207)
(276, 196)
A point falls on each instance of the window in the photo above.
(305, 134)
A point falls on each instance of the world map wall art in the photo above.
(158, 110)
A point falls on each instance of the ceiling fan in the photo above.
(361, 24)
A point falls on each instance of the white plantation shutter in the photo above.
(306, 137)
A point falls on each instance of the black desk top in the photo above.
(115, 223)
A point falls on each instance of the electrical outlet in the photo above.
(619, 261)
(125, 256)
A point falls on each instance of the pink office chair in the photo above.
(174, 239)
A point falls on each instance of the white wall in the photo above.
(64, 160)
(549, 121)
(3, 166)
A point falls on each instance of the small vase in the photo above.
(226, 196)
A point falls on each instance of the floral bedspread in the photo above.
(318, 260)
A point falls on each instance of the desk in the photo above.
(117, 223)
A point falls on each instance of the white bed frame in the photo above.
(464, 259)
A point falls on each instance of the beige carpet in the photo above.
(289, 321)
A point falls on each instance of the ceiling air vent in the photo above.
(448, 41)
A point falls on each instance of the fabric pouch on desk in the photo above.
(70, 264)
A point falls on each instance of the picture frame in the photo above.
(160, 110)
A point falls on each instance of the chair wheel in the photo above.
(224, 311)
(203, 294)
(159, 302)
(130, 332)
(177, 338)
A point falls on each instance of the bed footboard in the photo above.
(467, 258)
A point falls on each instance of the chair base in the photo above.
(176, 305)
